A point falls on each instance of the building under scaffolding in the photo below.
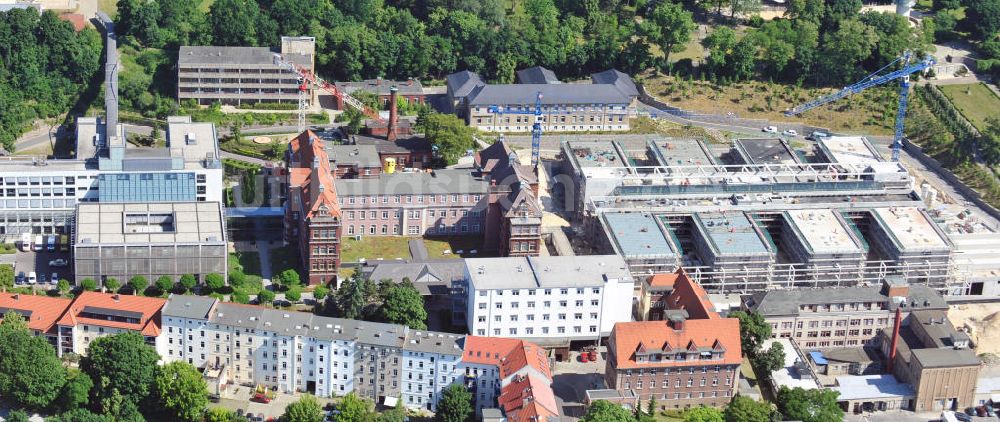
(733, 248)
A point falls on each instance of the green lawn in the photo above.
(7, 248)
(372, 248)
(436, 247)
(108, 6)
(248, 262)
(975, 101)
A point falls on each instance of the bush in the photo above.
(215, 282)
(320, 292)
(188, 281)
(88, 284)
(240, 297)
(164, 284)
(265, 297)
(293, 294)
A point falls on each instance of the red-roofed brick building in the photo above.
(689, 356)
(312, 212)
(92, 315)
(511, 374)
(663, 293)
(40, 312)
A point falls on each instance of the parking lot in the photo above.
(38, 262)
(571, 380)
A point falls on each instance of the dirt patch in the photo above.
(982, 321)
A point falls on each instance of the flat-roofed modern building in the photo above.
(734, 247)
(765, 151)
(244, 75)
(822, 240)
(848, 150)
(910, 237)
(152, 240)
(547, 300)
(641, 240)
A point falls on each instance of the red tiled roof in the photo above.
(663, 280)
(525, 355)
(690, 296)
(148, 307)
(488, 350)
(317, 184)
(45, 311)
(627, 337)
(528, 399)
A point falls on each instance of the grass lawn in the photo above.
(372, 248)
(283, 258)
(975, 101)
(871, 112)
(248, 262)
(646, 125)
(108, 6)
(437, 245)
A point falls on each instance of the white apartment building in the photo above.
(547, 300)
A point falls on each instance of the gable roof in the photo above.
(516, 94)
(309, 169)
(537, 75)
(696, 335)
(528, 398)
(620, 80)
(146, 310)
(460, 84)
(40, 312)
(691, 297)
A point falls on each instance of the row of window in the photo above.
(413, 199)
(531, 317)
(545, 304)
(677, 383)
(561, 119)
(413, 214)
(546, 292)
(558, 107)
(386, 229)
(531, 330)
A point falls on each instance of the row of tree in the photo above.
(387, 301)
(741, 409)
(118, 380)
(44, 67)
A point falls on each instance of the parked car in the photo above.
(770, 129)
(32, 278)
(21, 278)
(790, 132)
(816, 135)
(41, 278)
(58, 263)
(55, 278)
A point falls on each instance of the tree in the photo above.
(605, 411)
(289, 278)
(353, 409)
(306, 409)
(79, 415)
(17, 416)
(233, 22)
(6, 276)
(221, 414)
(293, 294)
(396, 414)
(809, 405)
(753, 330)
(455, 405)
(669, 26)
(404, 305)
(842, 50)
(63, 285)
(982, 18)
(448, 135)
(745, 409)
(188, 281)
(240, 297)
(76, 392)
(350, 297)
(320, 293)
(181, 391)
(215, 282)
(703, 414)
(120, 364)
(88, 284)
(771, 360)
(31, 375)
(138, 284)
(265, 297)
(745, 8)
(112, 284)
(164, 284)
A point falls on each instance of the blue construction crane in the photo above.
(872, 80)
(536, 128)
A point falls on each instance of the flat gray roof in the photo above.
(848, 150)
(140, 224)
(765, 151)
(432, 277)
(681, 152)
(822, 231)
(787, 302)
(637, 235)
(193, 141)
(545, 272)
(189, 55)
(910, 228)
(552, 94)
(731, 233)
(596, 154)
(189, 306)
(359, 155)
(437, 182)
(871, 387)
(381, 86)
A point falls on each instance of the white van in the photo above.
(32, 278)
(39, 243)
(25, 242)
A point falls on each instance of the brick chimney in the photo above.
(390, 133)
(895, 339)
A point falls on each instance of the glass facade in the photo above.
(147, 187)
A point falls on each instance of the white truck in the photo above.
(39, 243)
(25, 242)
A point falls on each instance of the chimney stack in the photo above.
(390, 133)
(895, 339)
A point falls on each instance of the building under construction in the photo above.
(244, 76)
(758, 216)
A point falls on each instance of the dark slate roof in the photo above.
(191, 307)
(460, 84)
(787, 302)
(514, 94)
(620, 80)
(400, 146)
(537, 75)
(438, 182)
(431, 277)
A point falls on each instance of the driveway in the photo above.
(572, 379)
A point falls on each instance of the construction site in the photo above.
(763, 215)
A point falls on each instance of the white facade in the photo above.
(425, 374)
(548, 299)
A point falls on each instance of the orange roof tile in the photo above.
(148, 308)
(690, 296)
(488, 350)
(663, 280)
(527, 354)
(44, 310)
(528, 399)
(317, 184)
(627, 337)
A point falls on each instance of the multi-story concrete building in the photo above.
(840, 316)
(244, 75)
(823, 241)
(731, 245)
(908, 236)
(690, 359)
(547, 300)
(513, 375)
(152, 240)
(927, 352)
(312, 210)
(92, 315)
(40, 196)
(604, 105)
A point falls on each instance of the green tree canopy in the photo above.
(188, 281)
(164, 283)
(6, 276)
(306, 409)
(669, 27)
(293, 294)
(745, 409)
(88, 284)
(31, 375)
(265, 297)
(112, 284)
(455, 405)
(753, 330)
(289, 278)
(221, 414)
(320, 292)
(982, 17)
(215, 282)
(138, 284)
(703, 414)
(120, 364)
(76, 392)
(449, 136)
(79, 415)
(771, 360)
(809, 405)
(181, 391)
(605, 411)
(404, 305)
(353, 409)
